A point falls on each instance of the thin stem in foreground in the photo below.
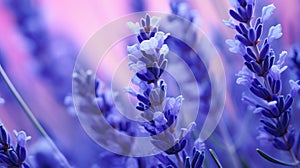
(31, 117)
(180, 163)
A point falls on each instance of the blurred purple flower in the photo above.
(96, 107)
(183, 41)
(54, 55)
(295, 87)
(42, 155)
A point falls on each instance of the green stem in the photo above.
(31, 117)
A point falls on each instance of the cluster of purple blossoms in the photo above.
(262, 75)
(147, 59)
(11, 156)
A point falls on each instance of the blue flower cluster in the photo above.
(262, 73)
(159, 112)
(11, 156)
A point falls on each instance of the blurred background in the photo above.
(39, 43)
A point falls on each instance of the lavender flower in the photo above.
(95, 109)
(11, 156)
(159, 112)
(148, 60)
(182, 9)
(264, 80)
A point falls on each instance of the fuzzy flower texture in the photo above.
(147, 59)
(262, 74)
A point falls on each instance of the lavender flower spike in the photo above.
(159, 112)
(265, 82)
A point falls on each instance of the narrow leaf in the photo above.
(274, 160)
(215, 157)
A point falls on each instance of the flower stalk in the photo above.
(31, 117)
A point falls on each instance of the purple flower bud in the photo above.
(251, 53)
(236, 16)
(259, 30)
(243, 40)
(12, 155)
(4, 136)
(264, 51)
(252, 36)
(249, 11)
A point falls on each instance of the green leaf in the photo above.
(274, 160)
(215, 157)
